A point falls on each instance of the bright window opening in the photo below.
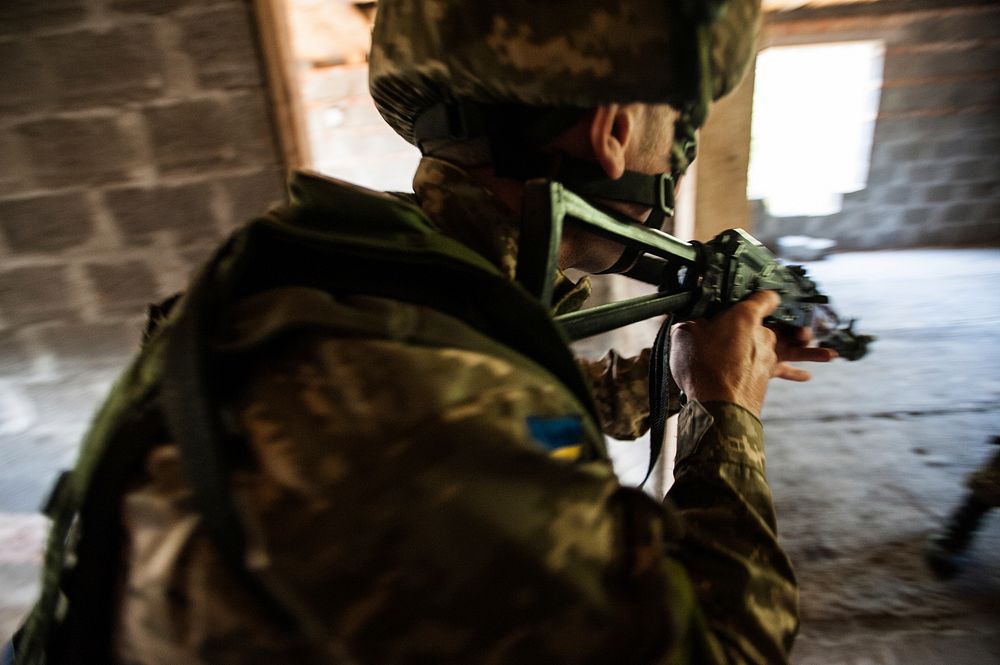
(814, 115)
(347, 137)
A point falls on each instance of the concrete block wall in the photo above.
(935, 162)
(134, 134)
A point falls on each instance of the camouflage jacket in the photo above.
(417, 499)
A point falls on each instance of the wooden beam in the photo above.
(275, 47)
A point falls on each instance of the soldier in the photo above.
(354, 440)
(945, 552)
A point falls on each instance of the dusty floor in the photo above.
(865, 461)
(869, 458)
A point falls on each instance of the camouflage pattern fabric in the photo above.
(985, 483)
(621, 390)
(451, 198)
(570, 54)
(415, 500)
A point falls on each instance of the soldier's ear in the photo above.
(611, 129)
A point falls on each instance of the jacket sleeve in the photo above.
(742, 578)
(620, 385)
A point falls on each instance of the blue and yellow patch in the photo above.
(562, 436)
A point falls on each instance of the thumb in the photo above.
(763, 303)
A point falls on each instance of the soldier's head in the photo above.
(605, 96)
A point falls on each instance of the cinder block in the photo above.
(957, 94)
(20, 16)
(35, 294)
(896, 195)
(106, 68)
(981, 190)
(938, 193)
(916, 216)
(967, 124)
(192, 136)
(252, 195)
(153, 7)
(980, 146)
(78, 151)
(91, 344)
(15, 358)
(15, 173)
(197, 255)
(253, 131)
(973, 233)
(907, 152)
(124, 288)
(206, 134)
(184, 211)
(925, 173)
(46, 223)
(220, 43)
(949, 28)
(982, 58)
(949, 149)
(884, 218)
(987, 212)
(957, 213)
(972, 169)
(22, 82)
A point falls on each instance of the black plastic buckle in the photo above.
(665, 194)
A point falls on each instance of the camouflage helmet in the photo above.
(546, 53)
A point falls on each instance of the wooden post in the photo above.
(280, 66)
(723, 160)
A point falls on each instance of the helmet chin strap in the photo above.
(513, 141)
(653, 191)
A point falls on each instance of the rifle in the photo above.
(693, 280)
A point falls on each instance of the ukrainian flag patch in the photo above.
(560, 435)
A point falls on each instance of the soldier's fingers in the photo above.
(803, 336)
(807, 354)
(790, 373)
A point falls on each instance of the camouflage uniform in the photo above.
(985, 482)
(946, 551)
(417, 502)
(413, 491)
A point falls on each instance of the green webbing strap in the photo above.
(78, 508)
(190, 404)
(423, 269)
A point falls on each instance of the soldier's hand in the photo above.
(731, 357)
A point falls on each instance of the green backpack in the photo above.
(335, 237)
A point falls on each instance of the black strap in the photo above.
(589, 180)
(662, 394)
(515, 133)
(189, 407)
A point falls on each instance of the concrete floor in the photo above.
(869, 458)
(865, 461)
